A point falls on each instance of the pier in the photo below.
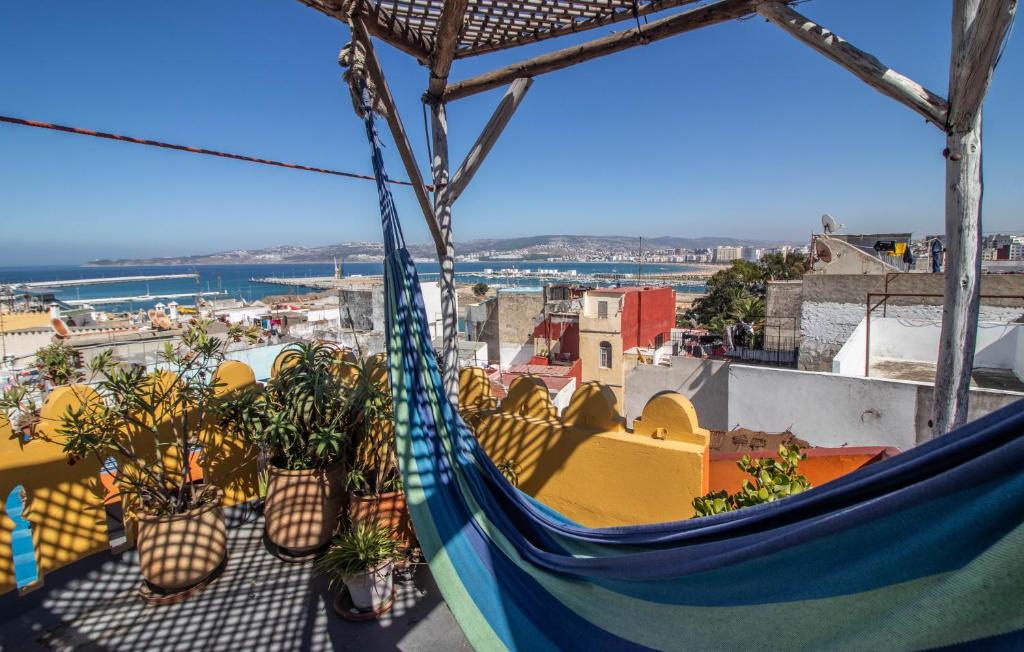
(142, 298)
(313, 282)
(104, 281)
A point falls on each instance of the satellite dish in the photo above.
(828, 224)
(60, 327)
(163, 322)
(822, 251)
(152, 315)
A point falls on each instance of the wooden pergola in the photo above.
(437, 32)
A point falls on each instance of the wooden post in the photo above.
(687, 21)
(978, 35)
(394, 121)
(869, 69)
(488, 137)
(443, 215)
(447, 189)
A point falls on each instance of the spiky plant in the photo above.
(358, 550)
(300, 419)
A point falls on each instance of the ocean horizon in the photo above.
(233, 280)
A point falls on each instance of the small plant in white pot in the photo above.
(363, 559)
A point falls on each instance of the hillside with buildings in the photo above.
(541, 248)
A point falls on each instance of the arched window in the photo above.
(606, 355)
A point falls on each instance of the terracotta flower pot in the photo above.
(180, 551)
(386, 510)
(302, 507)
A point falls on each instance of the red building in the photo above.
(616, 320)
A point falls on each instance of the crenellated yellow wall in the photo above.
(66, 501)
(586, 465)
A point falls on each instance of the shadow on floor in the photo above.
(259, 602)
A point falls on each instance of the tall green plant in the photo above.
(373, 467)
(299, 420)
(772, 479)
(150, 422)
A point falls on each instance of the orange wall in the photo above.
(822, 465)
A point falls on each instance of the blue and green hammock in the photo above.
(923, 550)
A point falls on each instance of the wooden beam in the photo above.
(866, 67)
(492, 130)
(398, 130)
(979, 29)
(606, 15)
(443, 216)
(447, 40)
(380, 24)
(977, 60)
(712, 14)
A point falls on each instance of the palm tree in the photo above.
(749, 310)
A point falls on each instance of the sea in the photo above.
(234, 281)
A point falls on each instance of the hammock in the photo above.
(923, 550)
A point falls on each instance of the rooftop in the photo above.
(258, 601)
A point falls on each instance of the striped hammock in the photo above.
(923, 550)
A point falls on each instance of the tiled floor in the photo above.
(258, 603)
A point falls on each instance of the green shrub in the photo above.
(773, 479)
(59, 363)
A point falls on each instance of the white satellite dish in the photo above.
(828, 224)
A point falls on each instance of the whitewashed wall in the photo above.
(998, 345)
(824, 409)
(835, 410)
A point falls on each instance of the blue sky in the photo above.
(736, 130)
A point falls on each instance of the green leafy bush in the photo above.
(773, 479)
(59, 363)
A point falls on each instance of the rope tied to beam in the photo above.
(353, 59)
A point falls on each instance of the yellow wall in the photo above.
(590, 469)
(65, 501)
(13, 321)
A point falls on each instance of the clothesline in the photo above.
(193, 150)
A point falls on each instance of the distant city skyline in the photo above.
(735, 131)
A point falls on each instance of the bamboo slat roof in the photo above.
(490, 25)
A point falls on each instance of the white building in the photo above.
(728, 254)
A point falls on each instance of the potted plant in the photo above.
(154, 425)
(57, 364)
(373, 479)
(298, 423)
(363, 558)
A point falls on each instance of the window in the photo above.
(602, 310)
(606, 355)
(659, 339)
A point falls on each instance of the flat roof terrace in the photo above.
(257, 602)
(924, 372)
